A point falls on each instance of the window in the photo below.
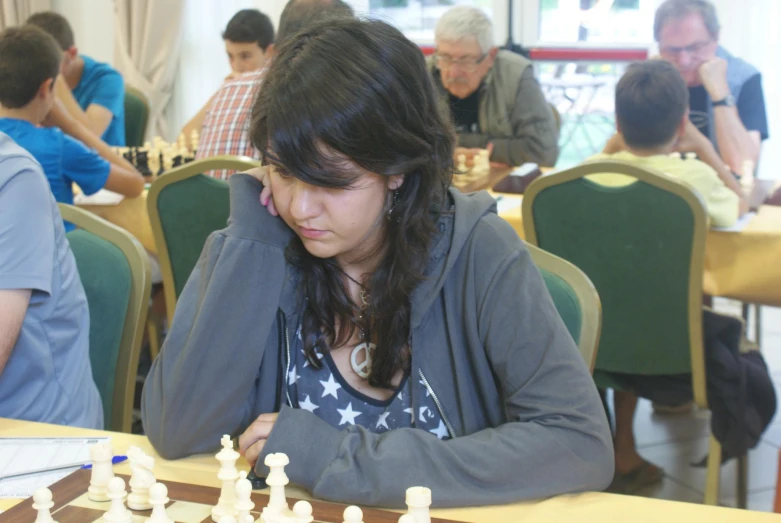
(416, 18)
(601, 22)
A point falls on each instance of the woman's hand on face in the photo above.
(262, 174)
(253, 439)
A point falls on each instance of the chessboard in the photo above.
(188, 504)
(158, 156)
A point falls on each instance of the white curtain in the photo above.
(15, 12)
(148, 42)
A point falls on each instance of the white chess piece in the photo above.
(407, 518)
(118, 513)
(302, 511)
(228, 475)
(158, 498)
(353, 514)
(141, 479)
(194, 139)
(244, 502)
(418, 503)
(102, 471)
(462, 168)
(482, 164)
(42, 502)
(276, 481)
(227, 519)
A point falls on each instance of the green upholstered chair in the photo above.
(114, 270)
(643, 246)
(136, 116)
(186, 206)
(575, 298)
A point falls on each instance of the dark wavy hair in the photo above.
(360, 90)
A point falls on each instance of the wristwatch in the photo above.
(729, 101)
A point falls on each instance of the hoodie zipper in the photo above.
(287, 367)
(433, 394)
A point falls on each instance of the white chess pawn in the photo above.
(353, 514)
(42, 502)
(158, 498)
(244, 502)
(462, 168)
(118, 513)
(276, 481)
(302, 511)
(102, 471)
(228, 475)
(407, 518)
(227, 519)
(418, 503)
(141, 480)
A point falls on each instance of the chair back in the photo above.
(575, 298)
(185, 206)
(114, 270)
(642, 245)
(136, 116)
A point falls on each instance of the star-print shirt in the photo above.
(327, 394)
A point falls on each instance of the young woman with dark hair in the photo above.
(380, 328)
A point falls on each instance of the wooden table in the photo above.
(739, 265)
(583, 508)
(130, 214)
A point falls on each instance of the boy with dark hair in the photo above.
(249, 44)
(29, 66)
(92, 92)
(652, 120)
(226, 116)
(45, 372)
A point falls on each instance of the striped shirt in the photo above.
(226, 126)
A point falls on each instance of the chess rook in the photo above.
(418, 503)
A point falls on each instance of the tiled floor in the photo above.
(674, 442)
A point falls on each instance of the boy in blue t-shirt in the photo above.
(29, 65)
(92, 92)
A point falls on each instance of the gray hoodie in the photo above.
(485, 338)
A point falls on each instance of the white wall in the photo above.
(93, 26)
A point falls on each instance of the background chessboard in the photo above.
(189, 504)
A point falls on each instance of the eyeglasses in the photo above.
(694, 48)
(468, 65)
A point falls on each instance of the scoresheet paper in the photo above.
(22, 454)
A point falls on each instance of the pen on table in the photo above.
(80, 464)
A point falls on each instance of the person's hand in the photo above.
(253, 439)
(713, 74)
(691, 140)
(261, 173)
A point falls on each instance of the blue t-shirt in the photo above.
(65, 160)
(102, 85)
(48, 376)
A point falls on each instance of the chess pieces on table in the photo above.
(482, 163)
(244, 502)
(228, 474)
(418, 502)
(462, 168)
(276, 480)
(118, 513)
(102, 471)
(407, 518)
(227, 519)
(194, 140)
(42, 502)
(158, 499)
(302, 512)
(141, 479)
(353, 514)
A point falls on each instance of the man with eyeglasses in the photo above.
(495, 100)
(726, 101)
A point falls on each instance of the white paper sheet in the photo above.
(741, 224)
(21, 454)
(507, 203)
(102, 197)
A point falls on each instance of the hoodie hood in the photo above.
(455, 227)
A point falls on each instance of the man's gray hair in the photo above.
(462, 22)
(680, 8)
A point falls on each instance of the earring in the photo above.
(395, 201)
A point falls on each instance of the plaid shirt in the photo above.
(225, 128)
